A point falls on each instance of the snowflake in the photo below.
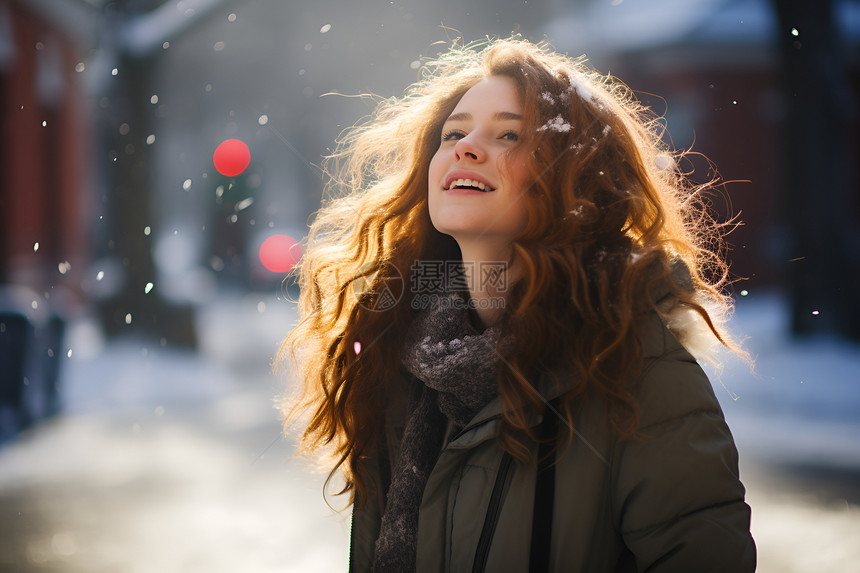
(664, 162)
(580, 85)
(556, 124)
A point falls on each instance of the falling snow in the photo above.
(244, 204)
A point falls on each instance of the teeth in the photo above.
(469, 183)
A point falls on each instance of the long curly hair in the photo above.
(609, 211)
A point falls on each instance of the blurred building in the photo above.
(764, 93)
(44, 152)
(44, 244)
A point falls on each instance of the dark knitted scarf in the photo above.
(459, 370)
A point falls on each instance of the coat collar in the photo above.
(655, 338)
(485, 424)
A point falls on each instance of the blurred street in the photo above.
(171, 461)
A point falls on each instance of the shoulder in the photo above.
(677, 498)
(672, 385)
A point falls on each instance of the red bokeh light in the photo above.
(280, 253)
(231, 157)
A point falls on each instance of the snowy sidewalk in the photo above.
(802, 405)
(169, 461)
(796, 422)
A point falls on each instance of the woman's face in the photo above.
(475, 189)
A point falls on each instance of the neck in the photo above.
(489, 277)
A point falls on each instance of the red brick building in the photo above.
(44, 158)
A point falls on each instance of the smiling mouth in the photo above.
(469, 184)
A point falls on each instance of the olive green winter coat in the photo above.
(670, 502)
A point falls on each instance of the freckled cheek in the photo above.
(515, 170)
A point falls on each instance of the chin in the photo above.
(460, 231)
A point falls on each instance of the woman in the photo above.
(497, 320)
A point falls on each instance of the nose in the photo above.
(468, 148)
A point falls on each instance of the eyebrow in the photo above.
(500, 115)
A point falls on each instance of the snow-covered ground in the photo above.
(796, 421)
(172, 461)
(801, 405)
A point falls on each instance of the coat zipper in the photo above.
(493, 510)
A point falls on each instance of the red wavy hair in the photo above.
(607, 212)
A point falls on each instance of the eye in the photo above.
(510, 136)
(453, 135)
